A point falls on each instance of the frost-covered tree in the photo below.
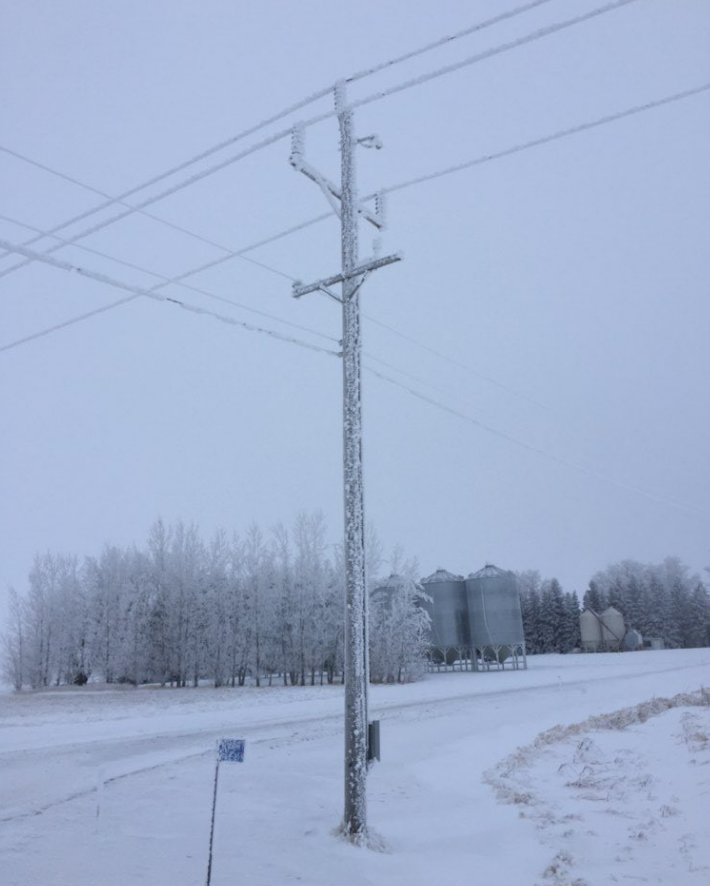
(398, 627)
(13, 642)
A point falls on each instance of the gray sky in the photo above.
(567, 284)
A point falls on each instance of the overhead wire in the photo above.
(149, 201)
(178, 280)
(459, 167)
(538, 34)
(454, 362)
(280, 115)
(544, 140)
(203, 155)
(443, 41)
(139, 291)
(486, 158)
(230, 253)
(367, 356)
(151, 294)
(66, 323)
(535, 449)
(532, 37)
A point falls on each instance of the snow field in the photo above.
(629, 803)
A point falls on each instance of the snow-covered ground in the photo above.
(495, 777)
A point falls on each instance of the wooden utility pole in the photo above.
(344, 200)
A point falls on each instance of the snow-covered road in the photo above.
(154, 750)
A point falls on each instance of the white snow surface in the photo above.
(491, 777)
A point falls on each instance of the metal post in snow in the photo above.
(230, 750)
(356, 654)
(214, 809)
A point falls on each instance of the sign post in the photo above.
(229, 750)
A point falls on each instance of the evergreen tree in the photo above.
(594, 598)
(552, 616)
(698, 617)
(570, 637)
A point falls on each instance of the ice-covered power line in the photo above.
(167, 281)
(137, 292)
(151, 294)
(444, 41)
(458, 167)
(279, 136)
(66, 323)
(453, 362)
(532, 37)
(416, 378)
(229, 253)
(280, 115)
(197, 158)
(544, 139)
(485, 158)
(149, 201)
(535, 449)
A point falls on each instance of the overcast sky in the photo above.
(555, 301)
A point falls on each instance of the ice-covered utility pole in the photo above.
(344, 201)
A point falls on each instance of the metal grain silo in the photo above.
(495, 617)
(450, 639)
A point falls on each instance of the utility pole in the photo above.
(344, 201)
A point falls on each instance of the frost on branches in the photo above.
(399, 629)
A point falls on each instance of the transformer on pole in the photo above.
(345, 204)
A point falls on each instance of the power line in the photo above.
(78, 319)
(53, 232)
(453, 362)
(485, 158)
(535, 449)
(167, 281)
(273, 139)
(443, 41)
(147, 293)
(545, 139)
(139, 291)
(291, 109)
(459, 167)
(539, 34)
(417, 378)
(242, 135)
(173, 189)
(203, 155)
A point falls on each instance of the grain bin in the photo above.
(450, 639)
(495, 618)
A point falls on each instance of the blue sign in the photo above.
(231, 750)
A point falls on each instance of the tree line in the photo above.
(269, 606)
(661, 600)
(258, 608)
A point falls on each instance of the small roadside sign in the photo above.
(230, 750)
